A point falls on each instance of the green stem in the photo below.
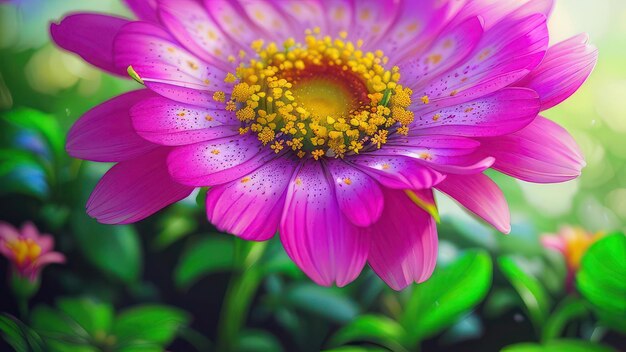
(569, 309)
(241, 290)
(22, 304)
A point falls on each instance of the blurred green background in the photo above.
(174, 280)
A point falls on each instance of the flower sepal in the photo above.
(23, 287)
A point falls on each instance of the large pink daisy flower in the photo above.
(330, 121)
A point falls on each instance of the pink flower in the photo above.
(27, 250)
(572, 243)
(330, 121)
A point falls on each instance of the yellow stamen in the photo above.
(322, 97)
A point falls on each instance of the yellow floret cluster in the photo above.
(362, 106)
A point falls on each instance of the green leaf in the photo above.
(20, 336)
(60, 331)
(536, 300)
(42, 123)
(372, 328)
(325, 302)
(570, 308)
(564, 345)
(113, 249)
(258, 341)
(95, 317)
(447, 296)
(21, 172)
(201, 197)
(149, 324)
(174, 225)
(602, 280)
(213, 253)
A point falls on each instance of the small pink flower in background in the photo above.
(572, 243)
(27, 250)
(329, 121)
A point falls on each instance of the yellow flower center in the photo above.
(25, 250)
(325, 97)
(576, 245)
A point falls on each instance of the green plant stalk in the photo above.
(239, 294)
(568, 310)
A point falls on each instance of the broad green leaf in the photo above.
(60, 331)
(565, 345)
(20, 336)
(536, 300)
(322, 301)
(149, 324)
(602, 280)
(213, 253)
(447, 296)
(113, 249)
(258, 341)
(95, 317)
(42, 123)
(372, 328)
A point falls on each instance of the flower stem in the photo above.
(22, 304)
(239, 294)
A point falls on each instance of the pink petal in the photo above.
(371, 21)
(339, 15)
(29, 230)
(251, 207)
(315, 233)
(493, 11)
(447, 52)
(8, 232)
(480, 195)
(359, 197)
(438, 149)
(49, 258)
(502, 112)
(472, 164)
(164, 121)
(554, 242)
(543, 152)
(505, 54)
(397, 172)
(91, 36)
(272, 20)
(303, 14)
(219, 161)
(166, 67)
(404, 242)
(33, 270)
(412, 31)
(135, 189)
(447, 154)
(564, 69)
(189, 22)
(145, 10)
(46, 243)
(234, 22)
(105, 133)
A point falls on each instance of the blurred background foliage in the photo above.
(172, 281)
